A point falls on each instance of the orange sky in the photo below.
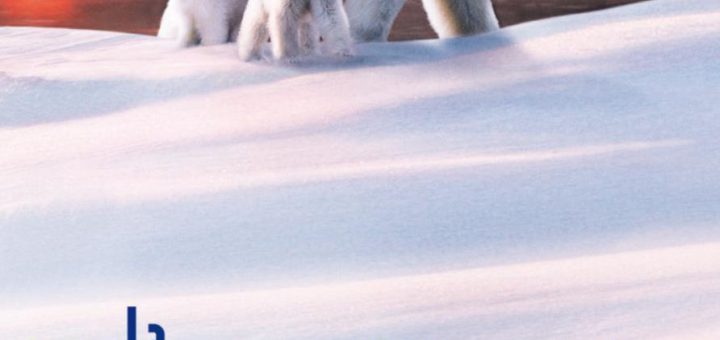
(46, 9)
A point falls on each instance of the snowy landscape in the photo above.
(551, 180)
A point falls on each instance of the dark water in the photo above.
(143, 16)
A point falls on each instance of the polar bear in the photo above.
(214, 22)
(290, 24)
(206, 22)
(372, 20)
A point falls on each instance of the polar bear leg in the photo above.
(332, 22)
(186, 33)
(253, 31)
(372, 20)
(168, 24)
(177, 24)
(309, 35)
(284, 27)
(235, 16)
(453, 18)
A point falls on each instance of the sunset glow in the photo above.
(40, 9)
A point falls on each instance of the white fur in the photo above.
(453, 18)
(285, 21)
(298, 28)
(207, 22)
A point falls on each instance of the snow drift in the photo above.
(556, 179)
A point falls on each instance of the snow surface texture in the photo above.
(557, 179)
